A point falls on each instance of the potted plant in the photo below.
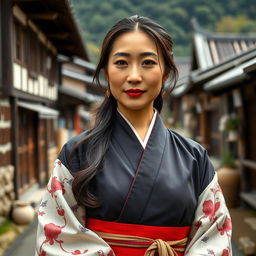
(229, 178)
(232, 126)
(227, 160)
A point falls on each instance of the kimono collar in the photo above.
(128, 142)
(145, 141)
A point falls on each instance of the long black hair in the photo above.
(98, 138)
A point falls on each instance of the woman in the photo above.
(129, 186)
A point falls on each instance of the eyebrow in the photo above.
(125, 54)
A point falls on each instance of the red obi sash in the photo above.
(151, 232)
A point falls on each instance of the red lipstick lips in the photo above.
(134, 92)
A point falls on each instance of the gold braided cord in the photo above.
(163, 248)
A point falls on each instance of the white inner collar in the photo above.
(145, 141)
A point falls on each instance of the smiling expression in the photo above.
(135, 71)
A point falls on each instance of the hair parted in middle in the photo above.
(98, 138)
(160, 36)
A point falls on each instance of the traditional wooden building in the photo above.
(32, 34)
(78, 95)
(183, 65)
(221, 87)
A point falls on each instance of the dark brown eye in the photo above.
(120, 62)
(148, 62)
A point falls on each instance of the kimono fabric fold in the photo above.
(130, 239)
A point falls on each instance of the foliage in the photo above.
(236, 24)
(97, 16)
(6, 226)
(177, 124)
(227, 159)
(232, 123)
(94, 51)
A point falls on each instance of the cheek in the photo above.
(155, 79)
(115, 77)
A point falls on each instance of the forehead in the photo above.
(134, 41)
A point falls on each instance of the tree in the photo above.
(236, 24)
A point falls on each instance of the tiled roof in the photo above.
(62, 29)
(214, 48)
(222, 49)
(183, 64)
(213, 55)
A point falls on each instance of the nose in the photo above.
(134, 76)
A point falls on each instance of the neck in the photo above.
(140, 119)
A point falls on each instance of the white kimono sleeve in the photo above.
(211, 230)
(61, 222)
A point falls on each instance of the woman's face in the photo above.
(135, 71)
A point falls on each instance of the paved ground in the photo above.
(24, 245)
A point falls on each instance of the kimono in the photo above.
(167, 189)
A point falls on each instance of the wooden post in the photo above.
(15, 144)
(6, 46)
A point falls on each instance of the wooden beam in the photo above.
(15, 144)
(59, 35)
(44, 16)
(22, 1)
(249, 198)
(250, 69)
(249, 164)
(6, 47)
(67, 48)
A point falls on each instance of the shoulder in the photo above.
(196, 157)
(72, 152)
(188, 145)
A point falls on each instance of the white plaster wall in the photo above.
(17, 76)
(30, 85)
(24, 79)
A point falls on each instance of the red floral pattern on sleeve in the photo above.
(52, 231)
(212, 226)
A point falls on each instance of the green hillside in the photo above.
(97, 16)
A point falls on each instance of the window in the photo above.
(42, 59)
(53, 72)
(51, 66)
(19, 43)
(33, 56)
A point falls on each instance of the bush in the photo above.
(6, 226)
(232, 123)
(227, 159)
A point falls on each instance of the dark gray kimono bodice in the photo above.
(158, 185)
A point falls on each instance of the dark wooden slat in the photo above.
(59, 35)
(15, 143)
(44, 16)
(249, 198)
(27, 96)
(6, 46)
(251, 68)
(249, 164)
(22, 1)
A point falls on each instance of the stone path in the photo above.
(24, 245)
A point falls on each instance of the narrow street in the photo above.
(24, 245)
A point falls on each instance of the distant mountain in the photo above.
(97, 16)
